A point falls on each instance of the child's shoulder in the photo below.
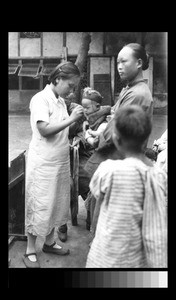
(121, 168)
(111, 165)
(124, 165)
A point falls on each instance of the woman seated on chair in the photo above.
(85, 134)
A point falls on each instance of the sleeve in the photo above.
(39, 110)
(154, 225)
(133, 98)
(105, 138)
(141, 98)
(101, 180)
(102, 127)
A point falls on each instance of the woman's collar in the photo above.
(53, 96)
(135, 81)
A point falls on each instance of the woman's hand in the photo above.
(77, 113)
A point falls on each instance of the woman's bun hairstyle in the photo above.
(145, 64)
(139, 52)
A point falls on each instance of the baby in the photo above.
(160, 146)
(95, 114)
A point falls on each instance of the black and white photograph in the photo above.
(87, 150)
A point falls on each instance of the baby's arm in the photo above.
(93, 133)
(93, 141)
(97, 132)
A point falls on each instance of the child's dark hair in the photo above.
(139, 52)
(65, 71)
(134, 125)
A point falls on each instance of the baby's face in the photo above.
(89, 106)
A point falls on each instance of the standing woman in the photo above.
(48, 162)
(132, 60)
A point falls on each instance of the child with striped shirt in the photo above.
(130, 217)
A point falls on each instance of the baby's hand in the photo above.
(89, 131)
(155, 148)
(109, 117)
(92, 132)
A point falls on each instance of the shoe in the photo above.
(51, 249)
(62, 236)
(28, 263)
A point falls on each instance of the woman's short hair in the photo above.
(133, 124)
(93, 95)
(65, 71)
(139, 52)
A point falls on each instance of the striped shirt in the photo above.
(122, 239)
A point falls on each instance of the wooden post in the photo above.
(104, 42)
(20, 78)
(112, 72)
(64, 39)
(83, 51)
(41, 60)
(82, 59)
(18, 44)
(41, 77)
(64, 48)
(41, 44)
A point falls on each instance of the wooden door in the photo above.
(102, 83)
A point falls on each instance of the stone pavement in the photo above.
(78, 243)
